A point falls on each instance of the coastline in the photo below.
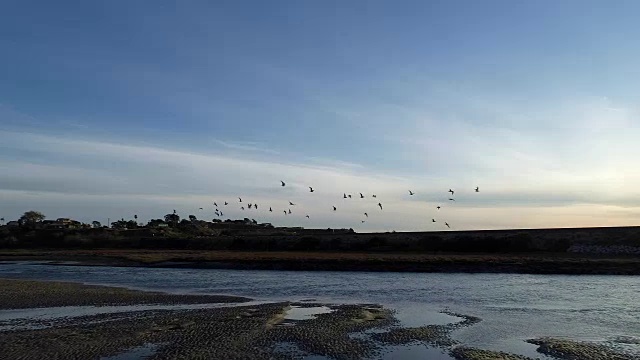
(528, 263)
(256, 331)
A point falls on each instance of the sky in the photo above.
(121, 108)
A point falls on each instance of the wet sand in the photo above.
(240, 331)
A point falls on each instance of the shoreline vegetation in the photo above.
(246, 244)
(257, 331)
(531, 263)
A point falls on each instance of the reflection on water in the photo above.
(305, 313)
(513, 307)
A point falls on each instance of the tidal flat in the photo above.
(63, 320)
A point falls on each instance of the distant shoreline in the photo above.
(539, 263)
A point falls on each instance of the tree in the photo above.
(31, 217)
(96, 224)
(192, 218)
(172, 219)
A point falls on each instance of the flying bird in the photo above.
(448, 225)
(374, 195)
(285, 212)
(362, 221)
(361, 196)
(282, 182)
(242, 207)
(334, 208)
(438, 207)
(270, 209)
(214, 204)
(410, 192)
(380, 204)
(255, 206)
(292, 204)
(311, 189)
(200, 209)
(365, 214)
(477, 189)
(289, 211)
(240, 199)
(226, 203)
(433, 220)
(307, 216)
(349, 196)
(450, 199)
(221, 214)
(345, 196)
(451, 191)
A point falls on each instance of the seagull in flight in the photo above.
(292, 204)
(349, 196)
(282, 182)
(307, 216)
(362, 221)
(311, 189)
(242, 207)
(380, 204)
(448, 225)
(410, 192)
(285, 212)
(226, 203)
(450, 199)
(438, 207)
(451, 191)
(334, 208)
(200, 208)
(250, 206)
(361, 196)
(345, 196)
(477, 189)
(374, 195)
(221, 214)
(255, 206)
(289, 211)
(240, 199)
(214, 204)
(365, 214)
(270, 209)
(433, 220)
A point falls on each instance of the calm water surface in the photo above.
(513, 307)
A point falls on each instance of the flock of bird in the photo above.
(254, 206)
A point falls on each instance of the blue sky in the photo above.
(109, 109)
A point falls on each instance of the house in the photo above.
(13, 224)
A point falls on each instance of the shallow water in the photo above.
(305, 313)
(513, 307)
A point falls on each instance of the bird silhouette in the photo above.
(214, 204)
(349, 196)
(374, 195)
(450, 199)
(361, 196)
(289, 211)
(292, 204)
(362, 221)
(285, 212)
(380, 204)
(200, 209)
(334, 208)
(250, 205)
(433, 220)
(438, 207)
(226, 203)
(242, 207)
(448, 225)
(410, 192)
(365, 214)
(255, 206)
(221, 214)
(344, 195)
(311, 189)
(282, 182)
(451, 191)
(477, 189)
(307, 216)
(270, 209)
(240, 199)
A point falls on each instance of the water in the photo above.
(513, 307)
